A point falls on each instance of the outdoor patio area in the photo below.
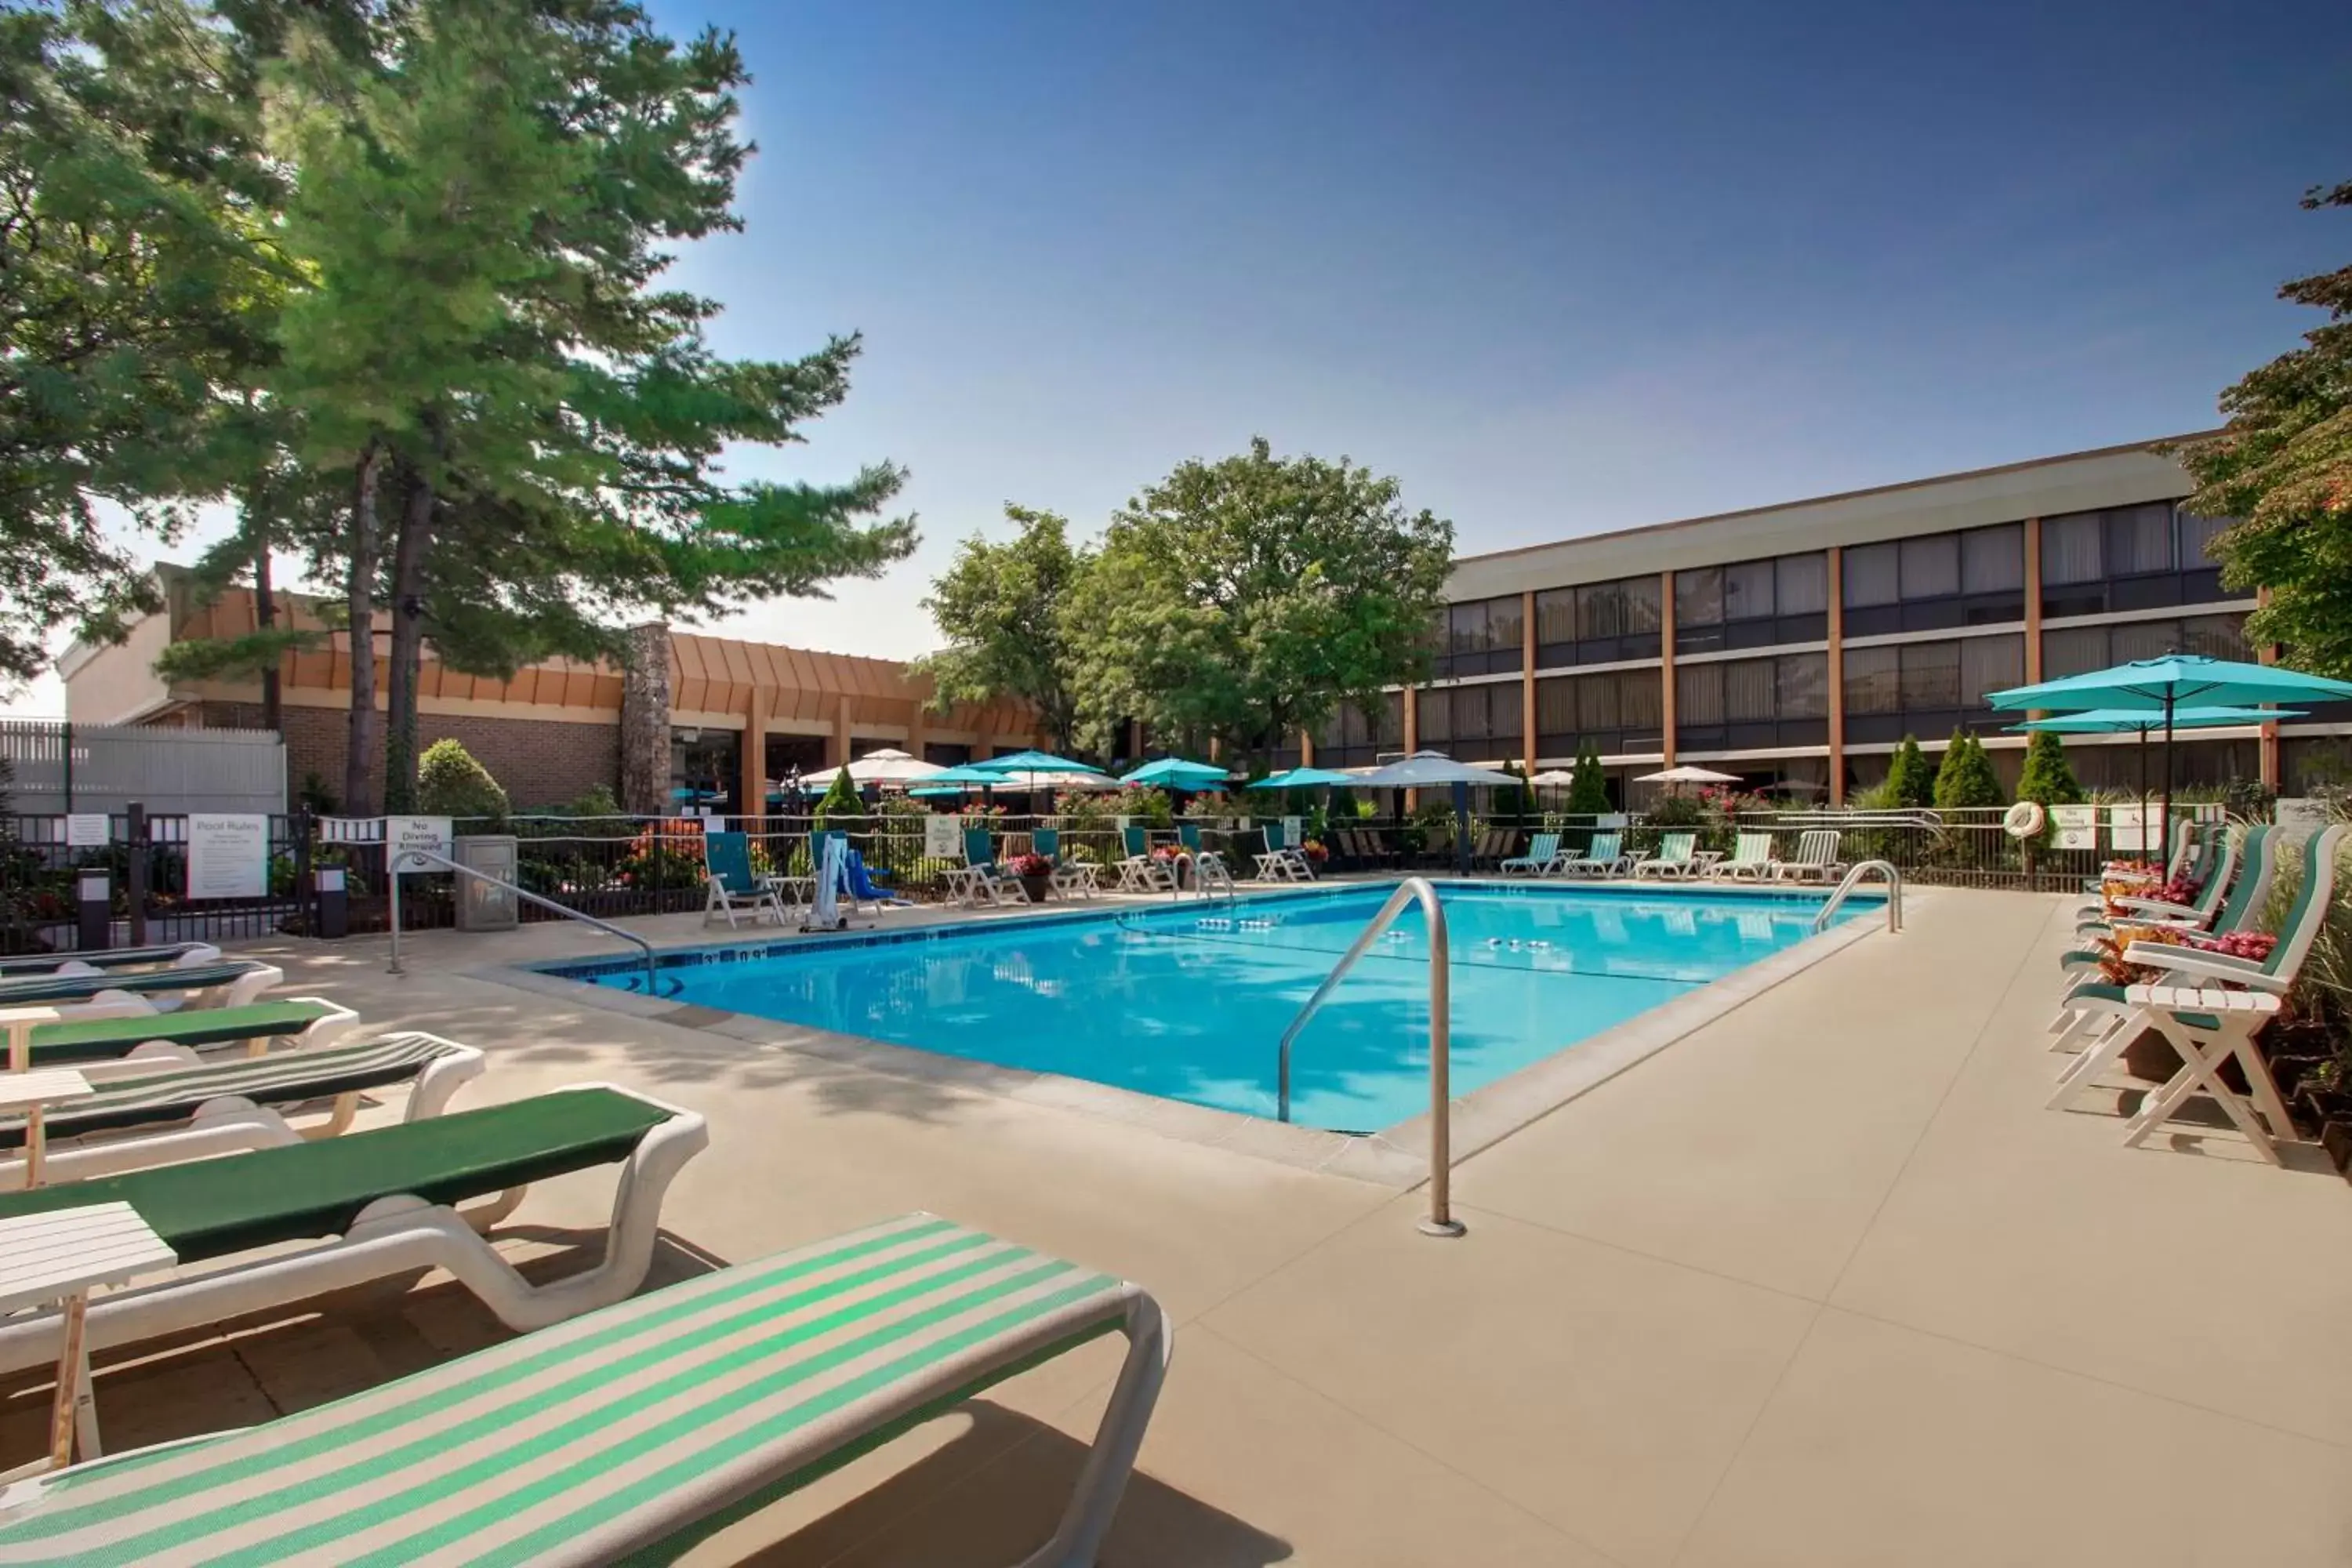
(1821, 1284)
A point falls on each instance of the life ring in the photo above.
(2024, 819)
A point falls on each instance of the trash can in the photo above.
(486, 906)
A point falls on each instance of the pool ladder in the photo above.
(427, 860)
(1210, 873)
(1852, 878)
(1413, 889)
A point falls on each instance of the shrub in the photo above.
(316, 797)
(1967, 778)
(1588, 789)
(841, 800)
(597, 800)
(450, 782)
(1910, 782)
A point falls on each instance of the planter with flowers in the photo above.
(1318, 854)
(1036, 875)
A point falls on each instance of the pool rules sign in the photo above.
(229, 855)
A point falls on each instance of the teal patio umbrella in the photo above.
(1029, 766)
(1175, 773)
(2169, 685)
(1301, 778)
(2142, 723)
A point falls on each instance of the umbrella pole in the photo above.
(1461, 828)
(2144, 729)
(2167, 851)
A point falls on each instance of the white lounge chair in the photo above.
(1677, 857)
(1816, 859)
(1139, 871)
(636, 1432)
(1281, 861)
(214, 984)
(2107, 1019)
(173, 1112)
(101, 1047)
(730, 885)
(1604, 856)
(1542, 856)
(1751, 859)
(980, 880)
(366, 1191)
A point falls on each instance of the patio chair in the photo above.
(1543, 852)
(1281, 861)
(1751, 859)
(98, 960)
(645, 1441)
(2248, 896)
(101, 1048)
(173, 1111)
(1816, 859)
(1137, 871)
(1603, 856)
(1071, 875)
(1206, 860)
(2221, 868)
(1677, 857)
(730, 886)
(223, 984)
(2094, 1003)
(980, 880)
(387, 1197)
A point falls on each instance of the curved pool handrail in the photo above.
(1847, 883)
(428, 859)
(1413, 889)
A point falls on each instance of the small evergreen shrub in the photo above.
(450, 782)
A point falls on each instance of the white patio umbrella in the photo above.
(1424, 769)
(885, 766)
(1551, 778)
(1687, 774)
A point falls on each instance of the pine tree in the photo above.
(841, 800)
(1588, 788)
(2048, 777)
(1967, 778)
(1910, 781)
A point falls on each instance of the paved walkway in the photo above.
(1821, 1284)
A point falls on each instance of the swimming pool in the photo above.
(1189, 1001)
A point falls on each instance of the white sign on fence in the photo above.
(942, 837)
(229, 855)
(431, 834)
(1294, 831)
(2128, 832)
(87, 830)
(2074, 827)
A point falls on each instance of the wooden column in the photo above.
(836, 745)
(1411, 720)
(752, 796)
(1305, 749)
(1527, 678)
(1837, 675)
(1667, 661)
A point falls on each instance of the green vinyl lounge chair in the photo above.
(1816, 859)
(386, 1197)
(2221, 866)
(729, 886)
(2106, 1021)
(1071, 875)
(1751, 859)
(637, 1432)
(2254, 862)
(110, 1048)
(1604, 856)
(1543, 854)
(227, 984)
(95, 959)
(173, 1112)
(1677, 857)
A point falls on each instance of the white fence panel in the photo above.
(165, 769)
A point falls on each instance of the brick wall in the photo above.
(540, 761)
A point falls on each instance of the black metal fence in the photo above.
(634, 865)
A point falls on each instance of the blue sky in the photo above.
(1559, 268)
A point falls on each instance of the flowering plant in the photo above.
(2255, 946)
(1316, 851)
(2117, 969)
(1031, 865)
(1167, 852)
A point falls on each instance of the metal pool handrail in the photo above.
(1441, 1220)
(444, 863)
(1847, 885)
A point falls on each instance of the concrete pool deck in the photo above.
(1820, 1284)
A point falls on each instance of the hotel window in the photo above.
(1873, 576)
(1803, 583)
(1992, 560)
(1873, 680)
(2143, 557)
(1752, 604)
(1698, 609)
(1937, 581)
(2076, 650)
(1435, 727)
(1927, 687)
(1618, 710)
(1481, 637)
(1597, 623)
(1802, 682)
(1749, 703)
(1931, 566)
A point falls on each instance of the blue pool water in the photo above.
(1188, 1001)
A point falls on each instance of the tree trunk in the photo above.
(264, 616)
(358, 784)
(408, 555)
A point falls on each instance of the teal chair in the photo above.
(1070, 876)
(1137, 871)
(980, 880)
(730, 887)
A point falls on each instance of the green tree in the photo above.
(1588, 787)
(1001, 607)
(1910, 778)
(841, 801)
(2282, 465)
(128, 245)
(2048, 777)
(1247, 599)
(451, 783)
(1967, 778)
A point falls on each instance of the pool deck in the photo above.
(1820, 1283)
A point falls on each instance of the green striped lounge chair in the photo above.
(2106, 1021)
(173, 1112)
(2221, 867)
(635, 1433)
(1816, 859)
(1543, 850)
(1751, 859)
(95, 960)
(2256, 862)
(1677, 857)
(225, 985)
(386, 1199)
(109, 1047)
(1602, 856)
